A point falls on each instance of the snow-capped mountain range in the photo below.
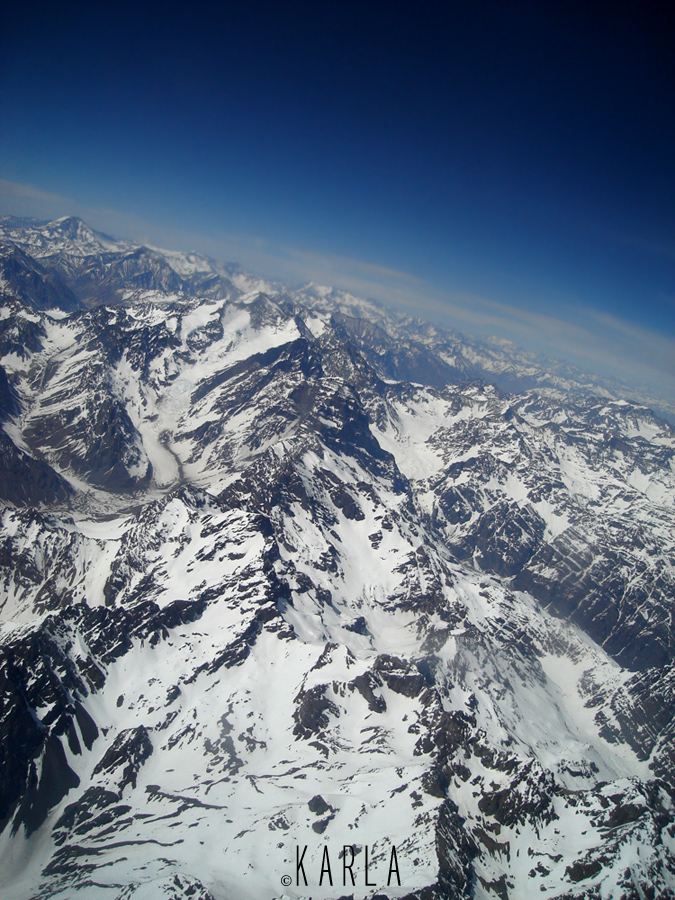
(281, 569)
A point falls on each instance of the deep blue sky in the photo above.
(508, 162)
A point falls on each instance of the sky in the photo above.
(506, 168)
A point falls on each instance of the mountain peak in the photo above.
(76, 229)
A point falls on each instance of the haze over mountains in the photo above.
(281, 568)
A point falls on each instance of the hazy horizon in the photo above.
(507, 170)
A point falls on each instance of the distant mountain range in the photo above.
(282, 569)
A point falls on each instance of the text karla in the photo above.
(344, 866)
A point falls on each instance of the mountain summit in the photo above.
(303, 598)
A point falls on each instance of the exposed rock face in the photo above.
(25, 481)
(279, 570)
(24, 278)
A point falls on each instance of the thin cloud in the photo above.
(590, 338)
(656, 350)
(345, 264)
(25, 200)
(664, 249)
(660, 247)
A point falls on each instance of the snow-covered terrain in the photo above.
(281, 570)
